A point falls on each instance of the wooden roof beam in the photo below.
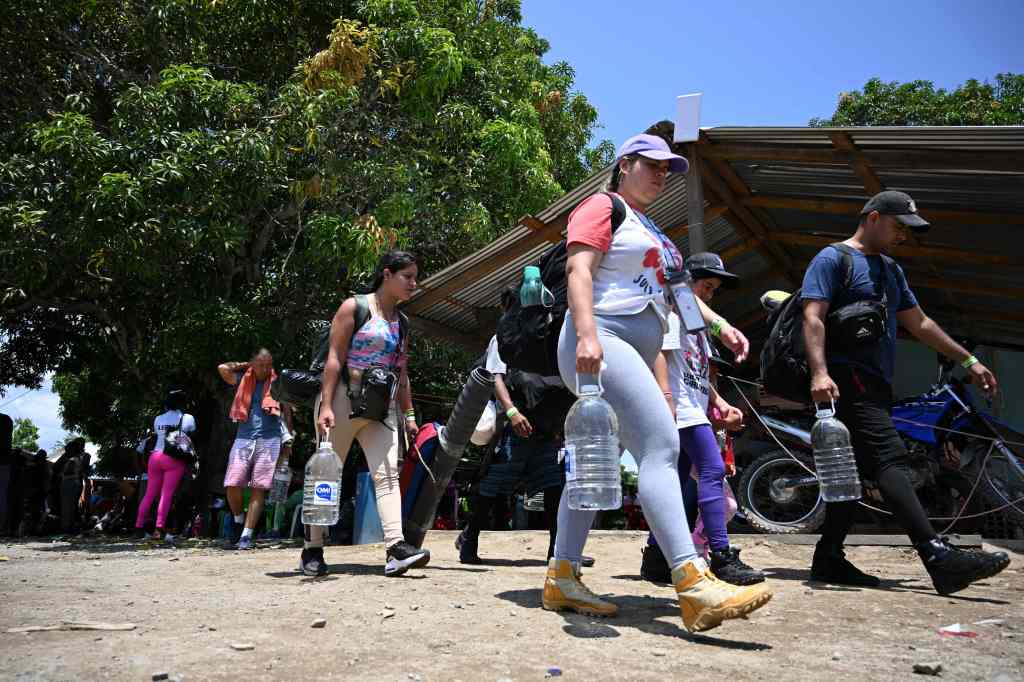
(939, 253)
(549, 232)
(861, 166)
(711, 214)
(468, 341)
(853, 208)
(714, 174)
(909, 159)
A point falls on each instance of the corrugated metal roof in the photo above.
(995, 189)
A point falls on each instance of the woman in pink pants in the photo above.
(165, 472)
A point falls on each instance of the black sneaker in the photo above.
(953, 569)
(830, 565)
(728, 567)
(312, 562)
(467, 550)
(654, 567)
(402, 556)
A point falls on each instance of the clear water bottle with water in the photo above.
(533, 292)
(591, 453)
(279, 485)
(834, 461)
(322, 487)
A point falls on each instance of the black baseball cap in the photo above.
(898, 205)
(705, 265)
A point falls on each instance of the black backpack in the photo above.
(784, 369)
(528, 337)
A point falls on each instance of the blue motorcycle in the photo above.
(958, 454)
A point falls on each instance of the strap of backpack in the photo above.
(847, 253)
(618, 209)
(361, 315)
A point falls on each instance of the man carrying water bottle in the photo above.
(858, 377)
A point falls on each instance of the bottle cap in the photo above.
(531, 272)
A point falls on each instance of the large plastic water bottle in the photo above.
(279, 485)
(322, 487)
(533, 292)
(833, 458)
(592, 477)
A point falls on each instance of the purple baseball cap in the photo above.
(653, 147)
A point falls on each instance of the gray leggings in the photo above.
(646, 428)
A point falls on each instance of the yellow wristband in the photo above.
(512, 411)
(971, 361)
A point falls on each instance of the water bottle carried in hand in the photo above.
(279, 486)
(533, 291)
(592, 477)
(834, 461)
(321, 487)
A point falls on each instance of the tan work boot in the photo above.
(705, 601)
(563, 589)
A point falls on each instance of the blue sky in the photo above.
(778, 63)
(42, 407)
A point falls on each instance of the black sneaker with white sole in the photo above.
(312, 562)
(402, 556)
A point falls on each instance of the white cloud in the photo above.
(42, 407)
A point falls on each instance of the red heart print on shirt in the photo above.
(652, 259)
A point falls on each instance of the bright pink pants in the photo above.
(165, 473)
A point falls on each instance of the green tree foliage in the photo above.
(919, 103)
(26, 435)
(186, 180)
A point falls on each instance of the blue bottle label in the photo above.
(569, 455)
(325, 493)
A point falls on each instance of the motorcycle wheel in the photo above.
(799, 510)
(1002, 480)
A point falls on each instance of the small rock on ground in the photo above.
(927, 668)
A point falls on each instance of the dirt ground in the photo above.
(449, 621)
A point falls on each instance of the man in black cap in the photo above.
(854, 368)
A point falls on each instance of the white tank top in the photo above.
(632, 272)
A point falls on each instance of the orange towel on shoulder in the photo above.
(243, 397)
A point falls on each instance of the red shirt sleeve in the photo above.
(591, 223)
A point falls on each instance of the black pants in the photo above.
(483, 506)
(865, 406)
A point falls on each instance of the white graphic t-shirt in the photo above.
(168, 421)
(689, 366)
(632, 274)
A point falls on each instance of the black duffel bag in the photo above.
(296, 386)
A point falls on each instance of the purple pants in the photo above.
(698, 448)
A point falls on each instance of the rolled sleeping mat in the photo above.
(452, 440)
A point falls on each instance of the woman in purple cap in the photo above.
(618, 312)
